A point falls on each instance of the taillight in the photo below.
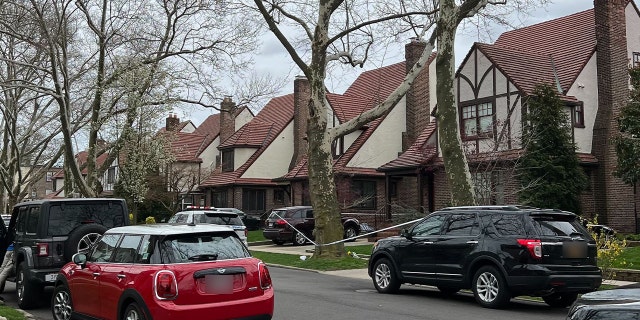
(165, 285)
(281, 222)
(42, 249)
(534, 246)
(265, 277)
(246, 232)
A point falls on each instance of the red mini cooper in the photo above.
(158, 271)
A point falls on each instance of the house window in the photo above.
(253, 199)
(636, 59)
(306, 195)
(49, 176)
(219, 199)
(578, 116)
(227, 161)
(111, 175)
(278, 196)
(477, 119)
(337, 147)
(364, 194)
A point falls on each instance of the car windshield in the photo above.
(198, 247)
(63, 218)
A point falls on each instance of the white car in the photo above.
(212, 216)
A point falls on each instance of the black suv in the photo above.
(296, 224)
(47, 233)
(498, 252)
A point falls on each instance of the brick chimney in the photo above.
(172, 122)
(417, 98)
(613, 199)
(301, 98)
(227, 118)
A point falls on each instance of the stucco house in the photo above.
(585, 56)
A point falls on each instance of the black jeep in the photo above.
(46, 234)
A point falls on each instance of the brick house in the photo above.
(585, 56)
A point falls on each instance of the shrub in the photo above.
(150, 220)
(609, 251)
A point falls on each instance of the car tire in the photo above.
(490, 289)
(28, 293)
(384, 277)
(82, 238)
(61, 304)
(133, 312)
(278, 242)
(560, 300)
(448, 290)
(299, 239)
(350, 232)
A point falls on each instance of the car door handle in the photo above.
(472, 242)
(427, 242)
(96, 274)
(121, 276)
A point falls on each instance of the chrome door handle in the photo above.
(121, 276)
(472, 242)
(428, 242)
(95, 274)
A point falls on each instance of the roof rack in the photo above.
(492, 207)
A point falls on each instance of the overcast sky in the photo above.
(273, 58)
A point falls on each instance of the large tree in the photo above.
(550, 172)
(346, 31)
(107, 62)
(627, 143)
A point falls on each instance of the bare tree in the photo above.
(345, 31)
(95, 48)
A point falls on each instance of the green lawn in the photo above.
(11, 313)
(255, 235)
(630, 255)
(310, 263)
(364, 249)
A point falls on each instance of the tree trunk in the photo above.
(455, 161)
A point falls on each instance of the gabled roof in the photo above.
(259, 133)
(553, 52)
(262, 129)
(209, 128)
(179, 127)
(418, 154)
(187, 147)
(81, 158)
(377, 84)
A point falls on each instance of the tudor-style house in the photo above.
(586, 57)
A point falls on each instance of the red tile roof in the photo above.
(209, 128)
(530, 55)
(187, 147)
(419, 153)
(81, 158)
(259, 132)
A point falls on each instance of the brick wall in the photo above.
(227, 118)
(613, 199)
(417, 98)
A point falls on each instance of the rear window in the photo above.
(202, 247)
(277, 214)
(223, 219)
(508, 224)
(178, 218)
(552, 225)
(65, 217)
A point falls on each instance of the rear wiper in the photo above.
(204, 257)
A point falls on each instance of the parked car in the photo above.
(162, 271)
(196, 215)
(47, 233)
(252, 222)
(619, 304)
(498, 252)
(293, 224)
(6, 218)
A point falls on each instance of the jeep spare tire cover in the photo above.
(82, 238)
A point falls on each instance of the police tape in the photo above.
(343, 240)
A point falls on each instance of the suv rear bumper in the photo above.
(277, 234)
(555, 283)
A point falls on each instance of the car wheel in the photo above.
(28, 293)
(560, 300)
(133, 312)
(448, 290)
(61, 305)
(384, 277)
(82, 238)
(299, 239)
(490, 288)
(278, 242)
(350, 232)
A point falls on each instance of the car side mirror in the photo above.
(405, 233)
(80, 259)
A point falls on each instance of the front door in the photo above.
(460, 237)
(116, 275)
(418, 255)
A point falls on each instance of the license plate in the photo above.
(51, 277)
(219, 284)
(270, 224)
(573, 250)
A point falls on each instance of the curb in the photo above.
(260, 243)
